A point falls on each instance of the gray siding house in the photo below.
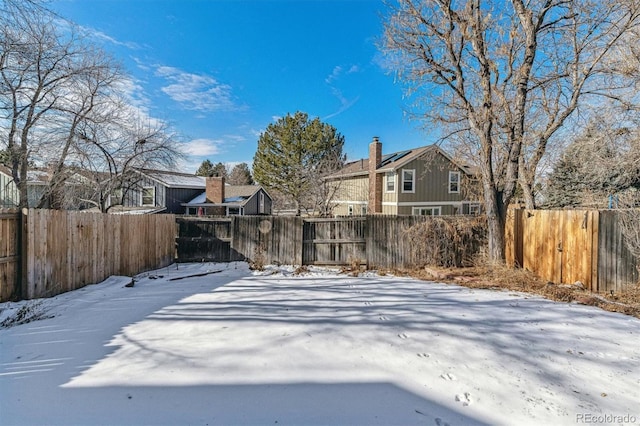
(9, 195)
(221, 199)
(156, 191)
(417, 181)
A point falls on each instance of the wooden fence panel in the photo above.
(334, 241)
(617, 268)
(204, 239)
(10, 261)
(68, 250)
(267, 239)
(388, 243)
(557, 245)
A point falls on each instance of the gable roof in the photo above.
(236, 195)
(5, 170)
(392, 162)
(175, 179)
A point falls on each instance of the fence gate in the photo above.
(334, 242)
(561, 245)
(10, 223)
(204, 240)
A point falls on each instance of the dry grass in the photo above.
(504, 278)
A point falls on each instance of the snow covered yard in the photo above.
(272, 347)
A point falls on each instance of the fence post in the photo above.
(24, 254)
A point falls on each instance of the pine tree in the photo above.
(294, 153)
(240, 175)
(207, 169)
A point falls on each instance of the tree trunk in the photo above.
(496, 213)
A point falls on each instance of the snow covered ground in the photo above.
(238, 347)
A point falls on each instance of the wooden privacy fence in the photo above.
(565, 246)
(66, 250)
(9, 253)
(375, 241)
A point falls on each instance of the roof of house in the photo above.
(235, 195)
(175, 179)
(41, 176)
(392, 162)
(5, 170)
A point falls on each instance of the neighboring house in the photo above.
(229, 200)
(70, 198)
(419, 181)
(155, 191)
(9, 194)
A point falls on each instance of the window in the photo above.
(454, 182)
(474, 209)
(408, 180)
(391, 182)
(116, 197)
(350, 210)
(149, 196)
(426, 211)
(234, 211)
(363, 210)
(261, 200)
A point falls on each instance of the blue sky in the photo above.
(220, 72)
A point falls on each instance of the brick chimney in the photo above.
(375, 179)
(215, 190)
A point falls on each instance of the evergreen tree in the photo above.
(294, 153)
(4, 158)
(207, 169)
(240, 175)
(602, 161)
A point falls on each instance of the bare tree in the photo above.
(65, 107)
(505, 76)
(602, 163)
(110, 156)
(240, 174)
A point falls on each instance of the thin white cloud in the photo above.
(332, 80)
(104, 37)
(196, 92)
(338, 71)
(201, 147)
(335, 74)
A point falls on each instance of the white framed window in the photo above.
(116, 197)
(474, 209)
(408, 180)
(454, 182)
(149, 196)
(426, 211)
(391, 182)
(350, 210)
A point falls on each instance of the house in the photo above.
(418, 181)
(71, 196)
(229, 200)
(155, 191)
(9, 194)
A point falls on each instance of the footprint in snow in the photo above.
(465, 398)
(423, 355)
(383, 318)
(367, 303)
(448, 376)
(440, 422)
(403, 336)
